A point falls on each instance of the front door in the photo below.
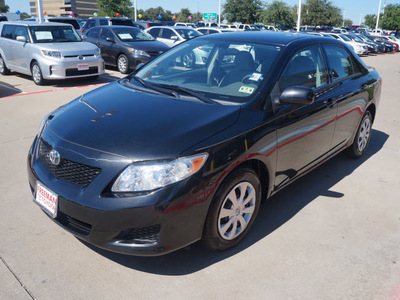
(304, 133)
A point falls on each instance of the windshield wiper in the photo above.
(190, 92)
(148, 86)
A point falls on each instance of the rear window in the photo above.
(73, 22)
(121, 22)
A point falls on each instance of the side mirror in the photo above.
(174, 38)
(21, 38)
(298, 95)
(109, 39)
(84, 37)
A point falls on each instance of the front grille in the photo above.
(73, 224)
(68, 170)
(76, 56)
(144, 235)
(154, 53)
(76, 72)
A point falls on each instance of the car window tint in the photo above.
(21, 31)
(167, 34)
(103, 22)
(90, 23)
(8, 31)
(306, 68)
(212, 31)
(340, 62)
(106, 34)
(93, 33)
(154, 32)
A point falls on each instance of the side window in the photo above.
(155, 32)
(211, 31)
(167, 34)
(8, 31)
(21, 31)
(103, 22)
(340, 62)
(94, 33)
(106, 34)
(91, 23)
(306, 68)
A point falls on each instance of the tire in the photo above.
(37, 74)
(233, 210)
(123, 64)
(362, 138)
(188, 59)
(3, 68)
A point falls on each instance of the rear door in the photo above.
(6, 44)
(304, 133)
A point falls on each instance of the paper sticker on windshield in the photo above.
(255, 76)
(125, 36)
(43, 35)
(246, 89)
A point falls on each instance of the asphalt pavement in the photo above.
(333, 234)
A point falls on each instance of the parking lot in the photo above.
(333, 234)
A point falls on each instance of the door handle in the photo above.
(364, 87)
(330, 101)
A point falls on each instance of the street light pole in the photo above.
(219, 12)
(344, 17)
(360, 20)
(377, 19)
(40, 11)
(135, 11)
(299, 17)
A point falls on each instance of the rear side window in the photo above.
(306, 68)
(104, 22)
(8, 31)
(90, 23)
(93, 33)
(155, 32)
(340, 62)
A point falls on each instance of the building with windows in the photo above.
(80, 8)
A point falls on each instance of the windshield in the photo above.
(345, 38)
(54, 34)
(187, 34)
(224, 70)
(132, 34)
(357, 39)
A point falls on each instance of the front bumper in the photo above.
(71, 67)
(146, 224)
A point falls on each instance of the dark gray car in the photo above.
(125, 47)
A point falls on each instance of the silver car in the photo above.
(47, 51)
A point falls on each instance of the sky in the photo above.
(354, 8)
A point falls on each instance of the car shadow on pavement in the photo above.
(274, 213)
(8, 90)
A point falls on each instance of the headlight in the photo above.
(56, 54)
(151, 176)
(138, 52)
(98, 51)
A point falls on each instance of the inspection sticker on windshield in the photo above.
(255, 76)
(246, 89)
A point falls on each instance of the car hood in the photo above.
(148, 45)
(70, 49)
(139, 125)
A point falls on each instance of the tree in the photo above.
(4, 8)
(391, 18)
(370, 21)
(244, 11)
(183, 15)
(111, 7)
(278, 12)
(348, 22)
(153, 14)
(321, 12)
(24, 15)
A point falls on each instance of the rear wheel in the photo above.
(233, 210)
(123, 64)
(37, 74)
(362, 138)
(3, 68)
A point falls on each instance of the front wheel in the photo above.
(37, 74)
(233, 210)
(362, 138)
(123, 64)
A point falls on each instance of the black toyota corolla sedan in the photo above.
(125, 47)
(173, 154)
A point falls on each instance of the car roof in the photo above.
(30, 23)
(113, 27)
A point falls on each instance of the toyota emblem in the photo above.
(80, 57)
(54, 157)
